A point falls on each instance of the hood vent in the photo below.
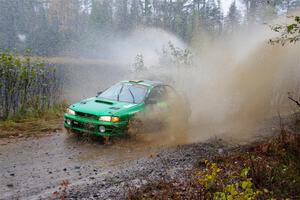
(114, 108)
(105, 102)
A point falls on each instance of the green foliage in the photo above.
(171, 56)
(290, 33)
(227, 188)
(175, 56)
(242, 189)
(25, 86)
(209, 177)
(268, 170)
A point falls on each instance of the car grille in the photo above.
(85, 126)
(86, 115)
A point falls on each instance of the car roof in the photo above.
(148, 83)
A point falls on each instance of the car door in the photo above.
(156, 98)
(155, 109)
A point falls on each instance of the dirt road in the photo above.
(34, 168)
(31, 166)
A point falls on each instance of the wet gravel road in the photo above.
(33, 168)
(30, 167)
(168, 164)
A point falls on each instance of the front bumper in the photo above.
(91, 126)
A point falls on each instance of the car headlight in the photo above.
(105, 118)
(71, 112)
(109, 119)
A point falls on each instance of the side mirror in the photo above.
(98, 93)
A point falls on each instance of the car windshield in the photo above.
(125, 92)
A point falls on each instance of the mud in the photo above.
(30, 166)
(168, 164)
(34, 168)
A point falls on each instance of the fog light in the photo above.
(102, 129)
(68, 122)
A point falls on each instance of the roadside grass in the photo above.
(265, 170)
(33, 123)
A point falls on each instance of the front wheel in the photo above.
(135, 126)
(77, 134)
(68, 131)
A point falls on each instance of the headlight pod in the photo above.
(115, 119)
(71, 112)
(109, 119)
(105, 118)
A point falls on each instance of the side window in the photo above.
(157, 94)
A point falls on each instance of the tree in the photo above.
(50, 26)
(214, 17)
(17, 18)
(233, 18)
(179, 22)
(101, 17)
(290, 33)
(122, 15)
(135, 14)
(260, 11)
(174, 56)
(138, 65)
(64, 15)
(8, 24)
(147, 12)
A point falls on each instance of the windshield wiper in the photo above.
(132, 95)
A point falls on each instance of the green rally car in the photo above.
(113, 111)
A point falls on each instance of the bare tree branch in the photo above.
(294, 100)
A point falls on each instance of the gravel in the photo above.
(169, 163)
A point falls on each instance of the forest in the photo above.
(55, 27)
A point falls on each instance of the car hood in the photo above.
(101, 107)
